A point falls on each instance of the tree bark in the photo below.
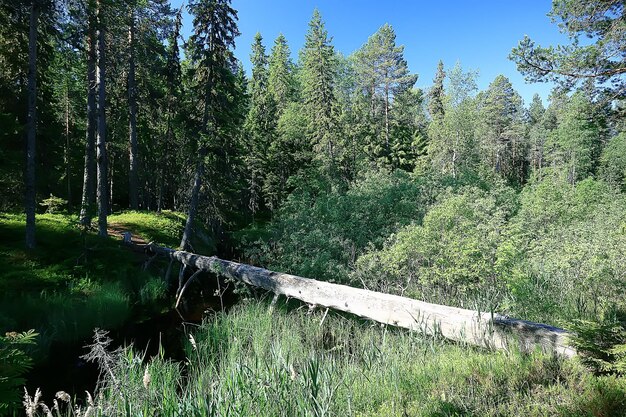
(185, 243)
(31, 128)
(133, 181)
(101, 154)
(89, 174)
(66, 151)
(467, 326)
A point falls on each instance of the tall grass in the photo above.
(259, 361)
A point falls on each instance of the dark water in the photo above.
(64, 370)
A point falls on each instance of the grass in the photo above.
(164, 228)
(74, 281)
(260, 361)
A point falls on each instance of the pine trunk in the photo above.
(132, 106)
(89, 174)
(66, 153)
(101, 154)
(31, 126)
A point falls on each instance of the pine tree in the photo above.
(383, 74)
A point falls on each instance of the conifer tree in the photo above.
(281, 80)
(436, 94)
(260, 124)
(211, 44)
(383, 74)
(501, 130)
(31, 129)
(318, 79)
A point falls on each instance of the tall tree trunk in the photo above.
(387, 120)
(197, 183)
(101, 154)
(89, 173)
(193, 202)
(111, 174)
(31, 126)
(132, 117)
(66, 152)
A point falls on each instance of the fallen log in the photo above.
(468, 326)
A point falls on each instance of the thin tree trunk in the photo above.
(197, 183)
(31, 126)
(66, 153)
(132, 107)
(89, 174)
(193, 202)
(101, 154)
(111, 174)
(387, 119)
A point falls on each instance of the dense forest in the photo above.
(331, 167)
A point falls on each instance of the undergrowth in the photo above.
(264, 361)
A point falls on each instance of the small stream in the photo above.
(64, 370)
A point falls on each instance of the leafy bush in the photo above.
(320, 234)
(564, 255)
(449, 258)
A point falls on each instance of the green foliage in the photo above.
(14, 363)
(74, 282)
(318, 92)
(53, 204)
(613, 161)
(320, 233)
(164, 228)
(564, 254)
(601, 345)
(597, 61)
(452, 144)
(576, 139)
(450, 257)
(501, 132)
(275, 361)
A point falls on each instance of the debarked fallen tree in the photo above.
(476, 328)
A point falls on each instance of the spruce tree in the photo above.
(281, 80)
(436, 94)
(318, 91)
(260, 125)
(210, 50)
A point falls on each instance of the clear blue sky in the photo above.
(478, 33)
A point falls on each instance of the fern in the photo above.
(14, 363)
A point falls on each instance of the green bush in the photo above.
(601, 345)
(564, 252)
(449, 258)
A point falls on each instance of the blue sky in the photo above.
(479, 34)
